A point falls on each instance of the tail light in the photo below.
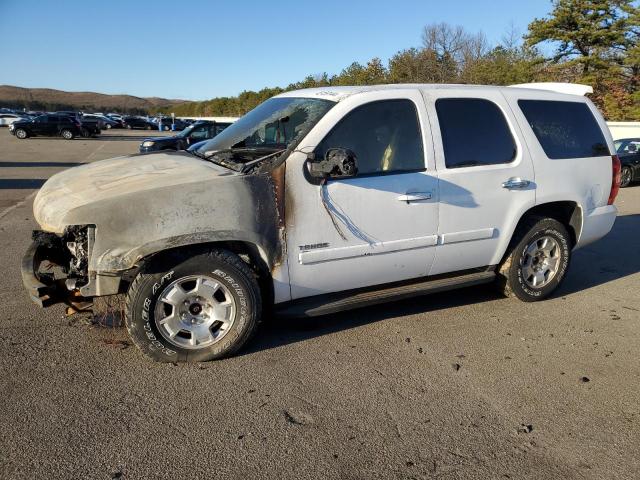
(615, 179)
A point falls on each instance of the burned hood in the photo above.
(120, 177)
(143, 204)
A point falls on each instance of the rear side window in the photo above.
(565, 129)
(474, 133)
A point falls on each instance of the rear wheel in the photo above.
(67, 134)
(148, 127)
(21, 133)
(193, 307)
(129, 127)
(625, 177)
(537, 260)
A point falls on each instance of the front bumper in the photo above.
(42, 294)
(148, 149)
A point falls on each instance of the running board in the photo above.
(337, 302)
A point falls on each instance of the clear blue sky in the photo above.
(198, 49)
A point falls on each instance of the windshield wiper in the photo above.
(248, 165)
(254, 149)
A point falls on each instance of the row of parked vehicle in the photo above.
(70, 124)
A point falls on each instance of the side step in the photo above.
(337, 302)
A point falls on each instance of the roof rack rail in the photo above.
(560, 87)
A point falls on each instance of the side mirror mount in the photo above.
(337, 163)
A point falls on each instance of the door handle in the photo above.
(414, 197)
(516, 183)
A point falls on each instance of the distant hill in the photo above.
(50, 99)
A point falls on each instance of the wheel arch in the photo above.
(251, 253)
(567, 212)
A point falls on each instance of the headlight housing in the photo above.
(148, 144)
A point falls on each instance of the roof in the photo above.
(338, 94)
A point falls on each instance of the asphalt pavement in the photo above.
(464, 384)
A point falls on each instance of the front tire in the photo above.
(67, 134)
(21, 134)
(625, 177)
(537, 260)
(193, 307)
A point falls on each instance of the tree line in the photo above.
(596, 42)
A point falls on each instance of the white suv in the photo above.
(327, 199)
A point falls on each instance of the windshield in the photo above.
(275, 124)
(188, 130)
(630, 145)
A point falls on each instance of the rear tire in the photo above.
(537, 260)
(66, 134)
(193, 306)
(625, 177)
(148, 127)
(128, 127)
(21, 134)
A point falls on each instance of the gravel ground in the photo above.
(465, 384)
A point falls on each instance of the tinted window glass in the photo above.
(200, 132)
(474, 132)
(565, 129)
(385, 136)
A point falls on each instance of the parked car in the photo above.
(629, 151)
(196, 132)
(115, 116)
(167, 122)
(390, 191)
(141, 123)
(103, 122)
(7, 119)
(50, 125)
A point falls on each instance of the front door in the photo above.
(39, 126)
(486, 176)
(379, 226)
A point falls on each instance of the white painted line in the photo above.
(96, 151)
(19, 204)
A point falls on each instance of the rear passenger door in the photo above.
(486, 176)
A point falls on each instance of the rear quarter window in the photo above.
(565, 129)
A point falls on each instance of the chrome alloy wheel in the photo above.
(195, 312)
(540, 261)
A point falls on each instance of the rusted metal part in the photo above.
(278, 177)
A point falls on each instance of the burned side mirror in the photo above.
(337, 163)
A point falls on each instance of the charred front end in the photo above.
(55, 267)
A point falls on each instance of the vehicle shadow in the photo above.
(21, 183)
(606, 260)
(278, 332)
(40, 164)
(610, 258)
